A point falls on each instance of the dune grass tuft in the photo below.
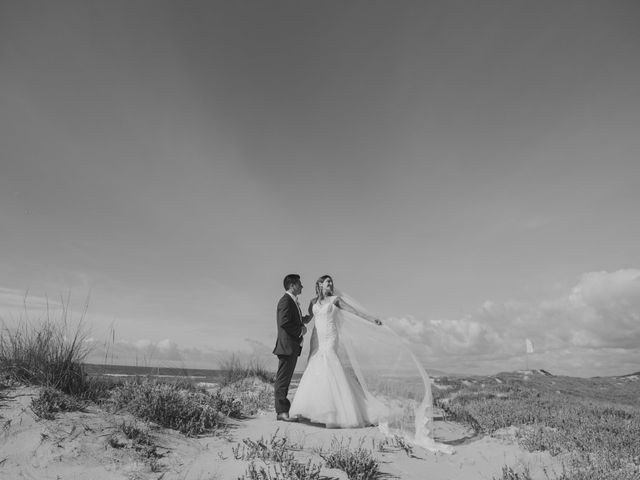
(192, 412)
(51, 401)
(236, 370)
(509, 473)
(276, 460)
(358, 463)
(288, 470)
(275, 449)
(47, 352)
(50, 353)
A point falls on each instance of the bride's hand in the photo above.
(377, 322)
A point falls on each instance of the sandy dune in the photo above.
(89, 445)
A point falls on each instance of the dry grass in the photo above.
(273, 459)
(46, 352)
(593, 424)
(190, 411)
(50, 353)
(358, 463)
(51, 401)
(236, 370)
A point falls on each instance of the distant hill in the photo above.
(621, 390)
(524, 372)
(439, 373)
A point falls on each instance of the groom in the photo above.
(289, 343)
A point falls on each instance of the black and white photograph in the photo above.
(319, 240)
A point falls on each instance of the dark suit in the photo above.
(288, 348)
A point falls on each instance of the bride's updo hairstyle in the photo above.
(319, 294)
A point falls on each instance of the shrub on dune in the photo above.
(596, 433)
(235, 370)
(358, 463)
(190, 411)
(51, 401)
(252, 394)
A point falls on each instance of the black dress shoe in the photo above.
(284, 417)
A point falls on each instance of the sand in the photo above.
(89, 445)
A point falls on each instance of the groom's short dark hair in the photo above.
(290, 279)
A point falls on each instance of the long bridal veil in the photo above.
(395, 383)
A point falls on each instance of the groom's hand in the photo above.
(304, 330)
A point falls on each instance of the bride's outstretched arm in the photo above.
(341, 303)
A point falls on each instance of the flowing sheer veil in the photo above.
(395, 383)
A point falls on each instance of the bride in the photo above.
(328, 393)
(362, 373)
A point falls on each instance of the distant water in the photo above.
(196, 375)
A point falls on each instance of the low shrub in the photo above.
(289, 470)
(132, 435)
(136, 432)
(51, 401)
(358, 463)
(251, 395)
(236, 369)
(509, 473)
(278, 459)
(189, 411)
(564, 416)
(275, 449)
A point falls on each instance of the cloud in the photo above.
(167, 345)
(168, 353)
(142, 351)
(590, 329)
(142, 344)
(608, 305)
(594, 328)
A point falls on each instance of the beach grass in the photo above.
(287, 470)
(273, 459)
(591, 424)
(188, 410)
(47, 352)
(276, 448)
(50, 352)
(51, 401)
(357, 462)
(235, 369)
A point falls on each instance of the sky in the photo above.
(468, 171)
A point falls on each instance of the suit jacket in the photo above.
(290, 323)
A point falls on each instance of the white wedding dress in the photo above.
(329, 391)
(360, 374)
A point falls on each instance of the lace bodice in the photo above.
(325, 324)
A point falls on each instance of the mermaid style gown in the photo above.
(329, 392)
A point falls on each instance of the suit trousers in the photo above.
(286, 366)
